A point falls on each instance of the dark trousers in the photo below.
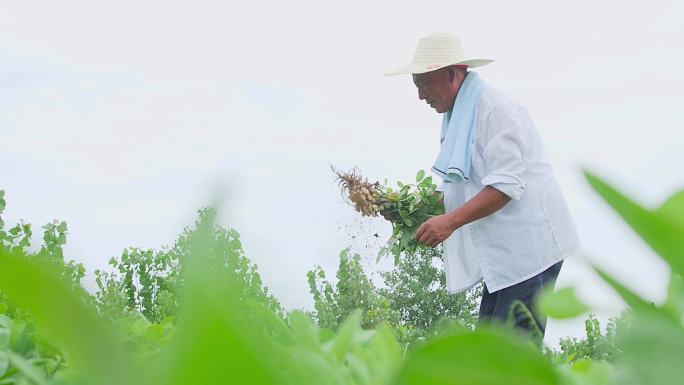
(499, 307)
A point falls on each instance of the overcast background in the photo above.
(124, 117)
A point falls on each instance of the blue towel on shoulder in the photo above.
(454, 159)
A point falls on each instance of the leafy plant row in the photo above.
(214, 322)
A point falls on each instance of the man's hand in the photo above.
(435, 230)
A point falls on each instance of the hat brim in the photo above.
(422, 68)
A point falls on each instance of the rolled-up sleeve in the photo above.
(504, 149)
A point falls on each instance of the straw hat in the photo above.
(438, 50)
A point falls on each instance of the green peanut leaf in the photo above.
(662, 229)
(481, 358)
(562, 304)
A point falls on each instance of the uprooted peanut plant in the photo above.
(406, 207)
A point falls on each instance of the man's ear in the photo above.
(451, 73)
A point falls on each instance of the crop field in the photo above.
(198, 312)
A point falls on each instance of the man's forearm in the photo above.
(488, 201)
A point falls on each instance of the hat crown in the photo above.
(439, 47)
(438, 50)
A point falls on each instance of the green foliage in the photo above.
(18, 239)
(26, 355)
(414, 300)
(481, 358)
(97, 353)
(407, 207)
(54, 238)
(140, 297)
(561, 304)
(63, 313)
(352, 356)
(596, 345)
(354, 290)
(214, 342)
(416, 288)
(142, 338)
(143, 281)
(662, 229)
(587, 372)
(228, 329)
(651, 349)
(147, 281)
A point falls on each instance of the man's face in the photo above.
(438, 88)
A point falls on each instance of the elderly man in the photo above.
(506, 222)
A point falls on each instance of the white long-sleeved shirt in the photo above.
(534, 230)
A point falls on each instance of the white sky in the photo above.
(122, 118)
